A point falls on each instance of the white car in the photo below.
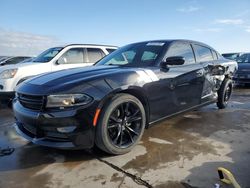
(53, 59)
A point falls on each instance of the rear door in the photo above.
(206, 57)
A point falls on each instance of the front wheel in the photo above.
(224, 93)
(121, 124)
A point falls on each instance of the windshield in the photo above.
(140, 54)
(47, 55)
(245, 58)
(231, 56)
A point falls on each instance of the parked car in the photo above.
(110, 104)
(13, 60)
(3, 57)
(53, 59)
(242, 76)
(28, 60)
(232, 56)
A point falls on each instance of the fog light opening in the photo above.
(66, 129)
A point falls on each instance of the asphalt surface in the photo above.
(184, 151)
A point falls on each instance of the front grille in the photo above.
(31, 101)
(33, 132)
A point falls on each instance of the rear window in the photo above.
(203, 53)
(94, 55)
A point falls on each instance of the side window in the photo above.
(218, 55)
(94, 54)
(182, 49)
(203, 53)
(72, 56)
(214, 55)
(129, 56)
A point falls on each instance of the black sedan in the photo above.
(110, 104)
(242, 75)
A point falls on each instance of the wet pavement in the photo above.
(184, 151)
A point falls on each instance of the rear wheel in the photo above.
(224, 93)
(121, 124)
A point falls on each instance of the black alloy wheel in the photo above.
(125, 124)
(121, 124)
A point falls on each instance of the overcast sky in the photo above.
(28, 27)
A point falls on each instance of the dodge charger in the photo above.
(109, 105)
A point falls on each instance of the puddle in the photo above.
(183, 146)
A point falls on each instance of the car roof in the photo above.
(178, 40)
(94, 45)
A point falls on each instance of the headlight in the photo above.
(10, 73)
(67, 100)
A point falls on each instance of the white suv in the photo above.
(53, 59)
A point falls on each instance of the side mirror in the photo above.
(175, 60)
(61, 60)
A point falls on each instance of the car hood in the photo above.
(6, 67)
(16, 66)
(73, 75)
(76, 79)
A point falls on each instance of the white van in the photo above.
(53, 59)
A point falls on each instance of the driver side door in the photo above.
(180, 86)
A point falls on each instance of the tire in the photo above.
(122, 119)
(224, 93)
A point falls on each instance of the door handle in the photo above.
(172, 85)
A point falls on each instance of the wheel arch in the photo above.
(136, 92)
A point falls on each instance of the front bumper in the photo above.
(42, 127)
(7, 88)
